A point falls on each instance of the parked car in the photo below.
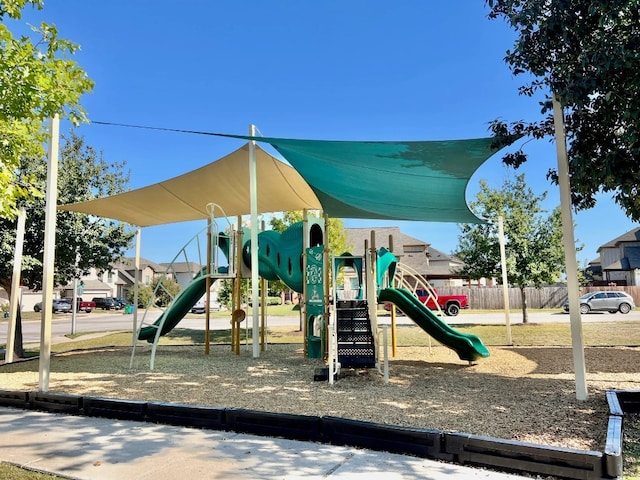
(200, 307)
(59, 305)
(106, 303)
(612, 302)
(123, 303)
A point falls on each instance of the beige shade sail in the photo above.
(224, 182)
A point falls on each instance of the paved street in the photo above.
(118, 321)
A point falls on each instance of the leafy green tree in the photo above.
(586, 52)
(533, 239)
(37, 81)
(145, 294)
(82, 241)
(226, 291)
(165, 289)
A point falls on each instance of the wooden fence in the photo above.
(491, 298)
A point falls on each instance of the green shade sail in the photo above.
(414, 180)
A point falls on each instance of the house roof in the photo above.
(95, 284)
(357, 236)
(630, 236)
(436, 263)
(183, 267)
(127, 264)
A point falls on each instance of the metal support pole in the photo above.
(136, 287)
(570, 252)
(51, 198)
(505, 282)
(255, 285)
(14, 304)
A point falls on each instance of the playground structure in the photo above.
(320, 176)
(227, 255)
(339, 324)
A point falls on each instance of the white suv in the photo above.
(611, 302)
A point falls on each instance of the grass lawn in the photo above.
(544, 334)
(8, 471)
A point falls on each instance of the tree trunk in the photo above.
(523, 296)
(18, 349)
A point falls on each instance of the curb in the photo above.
(488, 452)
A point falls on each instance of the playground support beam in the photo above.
(237, 292)
(505, 283)
(327, 287)
(51, 198)
(302, 299)
(571, 264)
(136, 288)
(207, 295)
(372, 294)
(15, 287)
(394, 340)
(255, 282)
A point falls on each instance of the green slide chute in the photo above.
(177, 310)
(468, 346)
(279, 258)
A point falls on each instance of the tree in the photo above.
(37, 81)
(82, 241)
(165, 289)
(145, 294)
(533, 240)
(586, 52)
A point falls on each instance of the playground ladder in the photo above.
(355, 341)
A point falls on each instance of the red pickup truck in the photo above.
(449, 304)
(82, 306)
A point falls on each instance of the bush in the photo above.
(270, 301)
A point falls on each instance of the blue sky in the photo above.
(334, 70)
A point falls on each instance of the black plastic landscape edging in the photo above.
(620, 403)
(425, 443)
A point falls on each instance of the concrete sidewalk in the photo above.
(101, 449)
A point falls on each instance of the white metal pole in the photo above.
(74, 304)
(385, 337)
(15, 287)
(136, 287)
(51, 198)
(505, 281)
(571, 262)
(74, 298)
(255, 284)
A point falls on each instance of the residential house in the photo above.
(620, 259)
(182, 272)
(95, 284)
(126, 272)
(436, 266)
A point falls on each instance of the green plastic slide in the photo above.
(177, 310)
(468, 346)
